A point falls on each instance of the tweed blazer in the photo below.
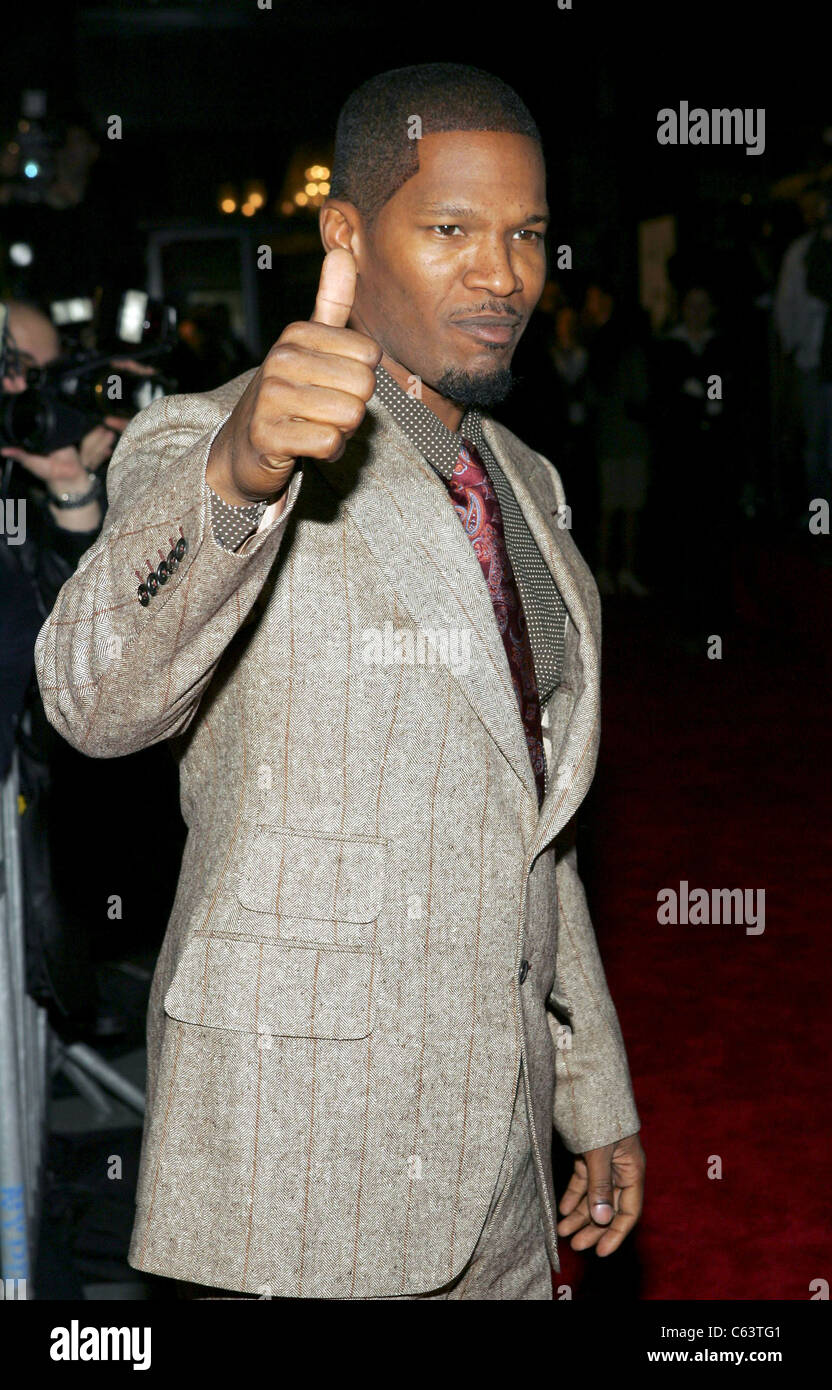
(374, 922)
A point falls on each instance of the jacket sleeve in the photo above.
(115, 676)
(594, 1103)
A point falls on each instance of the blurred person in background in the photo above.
(51, 540)
(818, 263)
(208, 350)
(617, 396)
(60, 535)
(801, 316)
(569, 361)
(695, 482)
(528, 408)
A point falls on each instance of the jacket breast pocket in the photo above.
(263, 987)
(320, 889)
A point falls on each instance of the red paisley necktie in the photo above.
(475, 501)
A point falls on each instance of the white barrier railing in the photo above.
(24, 1065)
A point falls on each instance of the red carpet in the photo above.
(717, 772)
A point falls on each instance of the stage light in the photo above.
(301, 199)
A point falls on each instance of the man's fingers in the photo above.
(315, 337)
(336, 290)
(600, 1186)
(630, 1200)
(575, 1190)
(601, 1204)
(319, 403)
(305, 439)
(579, 1203)
(302, 365)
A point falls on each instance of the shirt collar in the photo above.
(438, 445)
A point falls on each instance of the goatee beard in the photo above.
(470, 388)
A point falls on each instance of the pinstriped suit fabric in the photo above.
(336, 1021)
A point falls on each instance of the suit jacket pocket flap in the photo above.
(263, 987)
(327, 878)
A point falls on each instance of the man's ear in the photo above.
(341, 224)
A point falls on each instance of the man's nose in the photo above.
(493, 271)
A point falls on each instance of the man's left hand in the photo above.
(605, 1196)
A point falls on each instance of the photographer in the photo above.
(66, 473)
(54, 536)
(53, 505)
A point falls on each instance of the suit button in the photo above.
(162, 572)
(173, 561)
(524, 970)
(144, 596)
(152, 583)
(180, 547)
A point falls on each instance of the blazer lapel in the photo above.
(574, 760)
(408, 522)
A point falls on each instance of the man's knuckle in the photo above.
(364, 381)
(281, 358)
(355, 414)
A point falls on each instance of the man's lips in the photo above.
(488, 329)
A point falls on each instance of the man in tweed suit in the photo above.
(376, 650)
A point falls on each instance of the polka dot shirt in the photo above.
(232, 525)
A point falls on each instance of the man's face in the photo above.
(36, 342)
(450, 272)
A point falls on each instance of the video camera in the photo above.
(66, 399)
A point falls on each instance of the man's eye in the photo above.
(527, 232)
(447, 227)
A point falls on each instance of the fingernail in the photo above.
(602, 1211)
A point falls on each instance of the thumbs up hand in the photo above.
(305, 401)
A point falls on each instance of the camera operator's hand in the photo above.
(97, 446)
(68, 470)
(62, 469)
(306, 400)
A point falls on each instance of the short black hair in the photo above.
(376, 151)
